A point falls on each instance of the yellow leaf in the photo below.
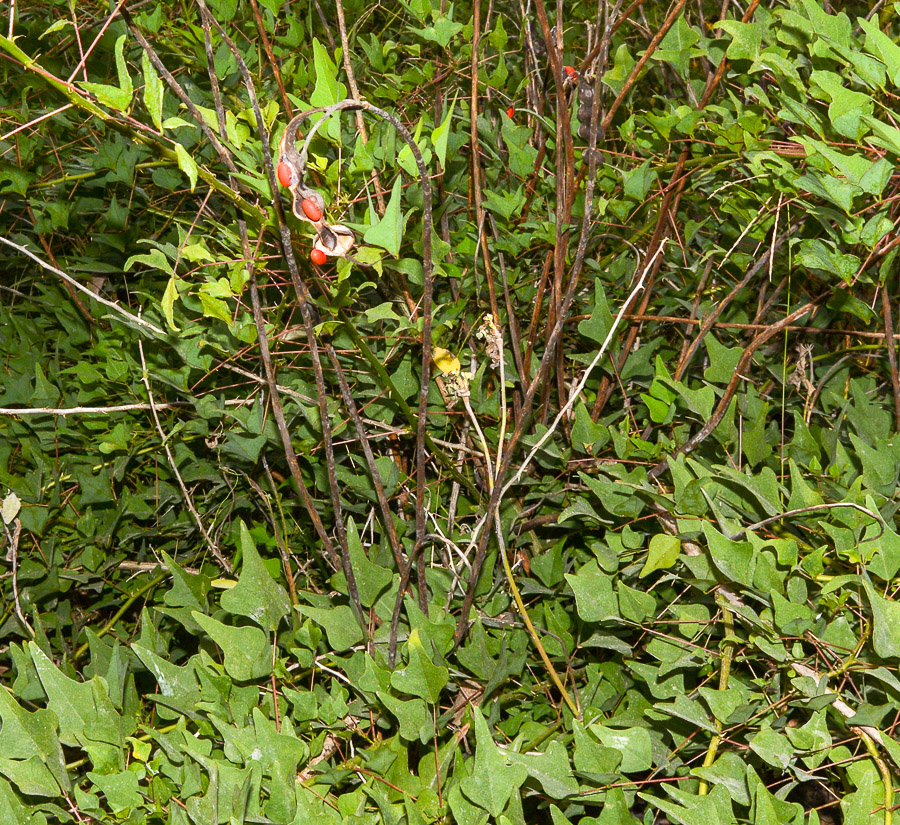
(445, 361)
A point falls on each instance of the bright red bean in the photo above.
(569, 70)
(317, 256)
(510, 112)
(311, 208)
(285, 173)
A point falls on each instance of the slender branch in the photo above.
(70, 280)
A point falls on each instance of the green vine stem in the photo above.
(724, 675)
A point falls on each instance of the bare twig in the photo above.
(12, 554)
(70, 280)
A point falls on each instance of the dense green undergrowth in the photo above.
(637, 562)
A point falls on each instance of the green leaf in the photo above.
(722, 361)
(594, 595)
(772, 747)
(27, 735)
(122, 790)
(75, 704)
(883, 47)
(214, 308)
(388, 232)
(111, 96)
(746, 38)
(187, 165)
(590, 755)
(405, 158)
(635, 605)
(125, 83)
(598, 325)
(662, 554)
(632, 743)
(153, 91)
(248, 654)
(339, 623)
(494, 779)
(29, 776)
(441, 134)
(443, 30)
(413, 715)
(421, 677)
(505, 204)
(623, 63)
(587, 435)
(886, 616)
(327, 90)
(256, 595)
(371, 580)
(280, 755)
(173, 681)
(550, 768)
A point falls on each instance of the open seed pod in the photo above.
(335, 241)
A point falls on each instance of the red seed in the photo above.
(311, 208)
(510, 112)
(569, 71)
(317, 256)
(285, 173)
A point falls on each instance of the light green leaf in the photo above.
(551, 769)
(633, 743)
(168, 304)
(327, 90)
(886, 615)
(122, 790)
(153, 91)
(187, 165)
(594, 595)
(412, 715)
(29, 776)
(388, 232)
(281, 754)
(494, 779)
(746, 39)
(441, 134)
(256, 595)
(883, 47)
(662, 554)
(371, 580)
(125, 83)
(421, 677)
(405, 158)
(27, 735)
(248, 654)
(214, 307)
(635, 605)
(339, 623)
(111, 96)
(72, 702)
(173, 680)
(155, 259)
(586, 433)
(772, 747)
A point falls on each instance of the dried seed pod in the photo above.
(335, 241)
(585, 92)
